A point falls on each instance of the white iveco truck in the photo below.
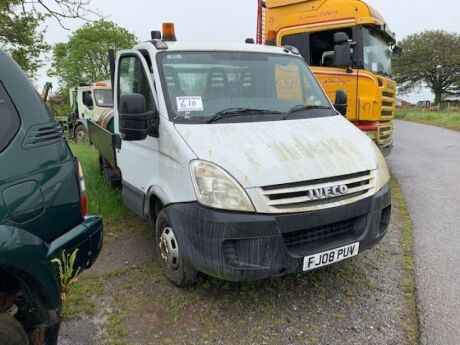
(240, 162)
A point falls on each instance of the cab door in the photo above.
(138, 160)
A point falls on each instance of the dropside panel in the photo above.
(104, 141)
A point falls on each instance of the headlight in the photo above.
(215, 188)
(382, 168)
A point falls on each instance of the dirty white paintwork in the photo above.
(269, 153)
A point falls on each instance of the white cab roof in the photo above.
(212, 46)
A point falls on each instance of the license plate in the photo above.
(330, 256)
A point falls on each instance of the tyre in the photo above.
(80, 133)
(168, 253)
(11, 331)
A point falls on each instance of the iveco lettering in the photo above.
(238, 159)
(327, 192)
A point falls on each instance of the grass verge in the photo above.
(103, 199)
(411, 321)
(440, 119)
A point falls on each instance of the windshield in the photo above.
(103, 98)
(377, 52)
(248, 86)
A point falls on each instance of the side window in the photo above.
(88, 99)
(133, 79)
(301, 42)
(322, 47)
(9, 119)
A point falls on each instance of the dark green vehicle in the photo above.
(42, 212)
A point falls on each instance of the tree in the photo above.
(430, 58)
(84, 57)
(20, 22)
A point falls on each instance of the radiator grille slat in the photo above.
(308, 195)
(305, 199)
(316, 181)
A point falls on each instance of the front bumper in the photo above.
(242, 246)
(386, 148)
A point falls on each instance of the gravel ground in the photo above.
(426, 161)
(359, 301)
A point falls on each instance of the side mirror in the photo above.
(135, 122)
(88, 100)
(341, 102)
(397, 51)
(342, 50)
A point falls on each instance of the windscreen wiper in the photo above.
(302, 107)
(230, 112)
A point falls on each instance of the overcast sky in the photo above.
(233, 21)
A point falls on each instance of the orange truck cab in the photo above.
(317, 28)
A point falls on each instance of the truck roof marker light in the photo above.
(291, 49)
(271, 38)
(169, 32)
(155, 35)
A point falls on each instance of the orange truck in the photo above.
(348, 46)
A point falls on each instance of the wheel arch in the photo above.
(36, 305)
(156, 199)
(25, 257)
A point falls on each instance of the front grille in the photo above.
(299, 240)
(321, 202)
(314, 182)
(388, 94)
(385, 134)
(388, 103)
(308, 195)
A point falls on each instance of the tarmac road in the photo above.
(426, 161)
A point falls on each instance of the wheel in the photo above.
(11, 331)
(168, 252)
(80, 133)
